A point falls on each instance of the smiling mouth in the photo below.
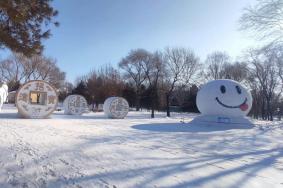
(242, 106)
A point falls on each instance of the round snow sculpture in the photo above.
(36, 99)
(116, 107)
(75, 105)
(224, 97)
(3, 94)
(223, 101)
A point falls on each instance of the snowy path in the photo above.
(91, 151)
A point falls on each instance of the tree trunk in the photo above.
(152, 112)
(153, 101)
(263, 109)
(269, 111)
(168, 105)
(138, 101)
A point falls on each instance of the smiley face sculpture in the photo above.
(224, 97)
(224, 101)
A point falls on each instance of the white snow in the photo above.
(93, 151)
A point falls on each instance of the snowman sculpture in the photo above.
(3, 94)
(223, 101)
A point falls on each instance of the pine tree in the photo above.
(24, 23)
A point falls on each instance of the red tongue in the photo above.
(244, 107)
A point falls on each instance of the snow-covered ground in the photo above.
(92, 151)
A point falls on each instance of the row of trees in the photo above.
(97, 85)
(172, 77)
(18, 69)
(149, 80)
(165, 71)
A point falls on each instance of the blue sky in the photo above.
(97, 32)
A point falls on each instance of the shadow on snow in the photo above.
(188, 127)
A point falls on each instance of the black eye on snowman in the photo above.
(222, 89)
(238, 90)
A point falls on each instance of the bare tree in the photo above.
(236, 71)
(264, 19)
(132, 65)
(153, 67)
(180, 66)
(277, 53)
(215, 63)
(101, 84)
(264, 77)
(13, 68)
(20, 69)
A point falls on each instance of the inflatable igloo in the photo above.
(36, 99)
(3, 94)
(75, 105)
(223, 101)
(116, 107)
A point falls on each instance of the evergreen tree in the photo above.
(24, 23)
(81, 89)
